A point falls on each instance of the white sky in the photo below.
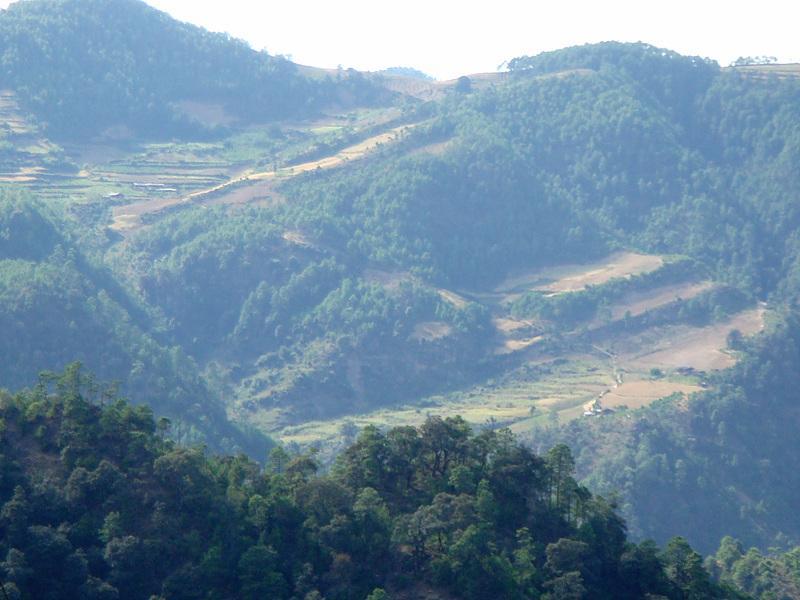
(447, 38)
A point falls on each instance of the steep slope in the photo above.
(541, 170)
(401, 250)
(56, 307)
(431, 264)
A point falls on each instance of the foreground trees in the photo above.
(97, 503)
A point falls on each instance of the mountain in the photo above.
(715, 466)
(121, 68)
(598, 247)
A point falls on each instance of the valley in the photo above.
(541, 378)
(537, 370)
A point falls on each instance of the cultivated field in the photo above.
(544, 387)
(11, 116)
(257, 183)
(782, 71)
(575, 277)
(522, 399)
(676, 346)
(428, 90)
(638, 392)
(638, 303)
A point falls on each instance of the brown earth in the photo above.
(575, 277)
(701, 348)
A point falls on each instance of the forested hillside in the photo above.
(83, 66)
(598, 247)
(57, 307)
(723, 465)
(542, 170)
(98, 503)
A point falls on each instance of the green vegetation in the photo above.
(759, 575)
(56, 307)
(97, 503)
(570, 309)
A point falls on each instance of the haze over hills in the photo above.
(598, 246)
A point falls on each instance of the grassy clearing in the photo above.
(545, 388)
(531, 396)
(323, 129)
(388, 279)
(782, 71)
(431, 330)
(638, 392)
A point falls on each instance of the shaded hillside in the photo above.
(83, 66)
(56, 307)
(546, 169)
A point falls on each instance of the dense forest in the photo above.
(538, 170)
(57, 306)
(626, 145)
(97, 502)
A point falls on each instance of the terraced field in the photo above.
(584, 378)
(683, 346)
(540, 382)
(245, 187)
(781, 71)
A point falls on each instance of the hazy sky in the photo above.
(449, 38)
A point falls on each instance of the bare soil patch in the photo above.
(452, 298)
(260, 192)
(575, 277)
(514, 345)
(435, 149)
(638, 303)
(506, 325)
(428, 331)
(127, 217)
(701, 348)
(639, 393)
